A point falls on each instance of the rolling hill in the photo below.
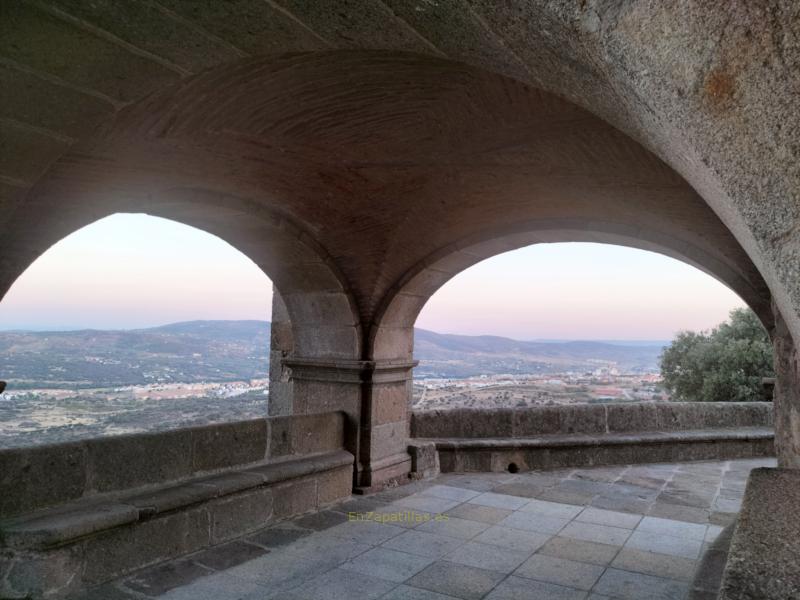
(218, 351)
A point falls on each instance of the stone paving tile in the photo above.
(692, 531)
(650, 563)
(691, 514)
(622, 504)
(108, 592)
(579, 550)
(158, 580)
(450, 492)
(524, 489)
(328, 543)
(485, 556)
(499, 501)
(520, 588)
(454, 527)
(366, 532)
(727, 505)
(424, 544)
(280, 571)
(321, 520)
(219, 586)
(359, 505)
(476, 512)
(552, 509)
(339, 584)
(636, 586)
(560, 571)
(534, 522)
(469, 583)
(601, 534)
(425, 503)
(712, 533)
(276, 537)
(512, 539)
(604, 474)
(664, 544)
(600, 516)
(228, 555)
(388, 564)
(722, 518)
(405, 592)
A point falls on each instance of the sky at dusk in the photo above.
(131, 271)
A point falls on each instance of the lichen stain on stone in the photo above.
(719, 87)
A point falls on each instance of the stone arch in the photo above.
(391, 334)
(322, 315)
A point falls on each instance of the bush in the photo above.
(723, 365)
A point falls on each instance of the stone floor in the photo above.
(630, 532)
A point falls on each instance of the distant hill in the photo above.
(217, 351)
(452, 355)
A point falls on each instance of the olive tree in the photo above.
(725, 364)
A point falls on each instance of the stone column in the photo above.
(374, 395)
(281, 344)
(385, 424)
(786, 403)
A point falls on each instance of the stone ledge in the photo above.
(559, 451)
(607, 439)
(66, 523)
(614, 417)
(764, 557)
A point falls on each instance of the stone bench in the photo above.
(764, 556)
(474, 440)
(214, 484)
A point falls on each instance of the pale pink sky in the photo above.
(129, 271)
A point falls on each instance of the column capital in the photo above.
(342, 370)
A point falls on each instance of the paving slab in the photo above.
(552, 509)
(160, 579)
(560, 571)
(450, 492)
(454, 527)
(512, 539)
(486, 556)
(600, 516)
(476, 512)
(339, 584)
(529, 521)
(579, 550)
(422, 543)
(664, 544)
(602, 534)
(692, 531)
(499, 501)
(521, 588)
(388, 564)
(469, 583)
(637, 586)
(228, 555)
(651, 563)
(277, 537)
(406, 592)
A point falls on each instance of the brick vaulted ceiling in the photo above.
(380, 133)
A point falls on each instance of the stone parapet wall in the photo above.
(588, 419)
(42, 476)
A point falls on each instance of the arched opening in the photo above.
(560, 323)
(133, 323)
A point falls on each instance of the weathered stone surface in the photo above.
(229, 444)
(32, 478)
(762, 561)
(306, 434)
(129, 461)
(234, 516)
(294, 498)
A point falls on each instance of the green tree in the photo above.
(723, 365)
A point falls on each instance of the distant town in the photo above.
(73, 385)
